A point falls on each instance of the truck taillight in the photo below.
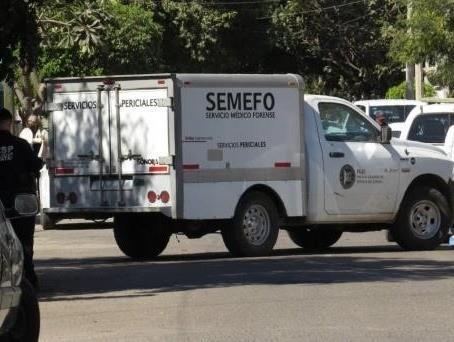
(164, 197)
(152, 196)
(64, 170)
(61, 198)
(72, 198)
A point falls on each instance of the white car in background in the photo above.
(427, 124)
(395, 110)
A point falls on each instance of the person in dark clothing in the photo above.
(19, 166)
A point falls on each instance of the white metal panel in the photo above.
(219, 200)
(243, 137)
(76, 133)
(144, 128)
(240, 128)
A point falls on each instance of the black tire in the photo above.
(27, 324)
(317, 239)
(140, 236)
(423, 219)
(47, 222)
(249, 241)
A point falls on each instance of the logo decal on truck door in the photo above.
(347, 176)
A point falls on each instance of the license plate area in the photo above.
(110, 183)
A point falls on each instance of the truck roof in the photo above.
(202, 80)
(429, 109)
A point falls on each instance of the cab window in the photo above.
(342, 123)
(430, 128)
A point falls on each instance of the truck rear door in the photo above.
(118, 133)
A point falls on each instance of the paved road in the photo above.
(364, 289)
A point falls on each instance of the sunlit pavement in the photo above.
(363, 289)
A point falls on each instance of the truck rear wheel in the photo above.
(422, 223)
(140, 236)
(254, 228)
(315, 239)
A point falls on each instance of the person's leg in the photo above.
(25, 230)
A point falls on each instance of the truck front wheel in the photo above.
(423, 220)
(254, 228)
(317, 239)
(140, 236)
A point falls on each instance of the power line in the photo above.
(324, 8)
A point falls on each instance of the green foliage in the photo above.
(77, 24)
(192, 34)
(340, 48)
(428, 34)
(18, 36)
(342, 44)
(131, 42)
(399, 91)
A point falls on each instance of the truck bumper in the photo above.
(106, 210)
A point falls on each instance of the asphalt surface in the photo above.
(363, 289)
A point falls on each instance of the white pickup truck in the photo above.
(246, 155)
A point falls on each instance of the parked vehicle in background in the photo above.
(394, 110)
(245, 155)
(19, 311)
(428, 124)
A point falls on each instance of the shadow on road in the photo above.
(92, 278)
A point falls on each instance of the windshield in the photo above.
(397, 113)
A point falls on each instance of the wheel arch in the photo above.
(272, 194)
(433, 181)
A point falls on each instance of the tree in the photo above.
(191, 37)
(18, 36)
(426, 35)
(399, 91)
(339, 47)
(76, 25)
(131, 43)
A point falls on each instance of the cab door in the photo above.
(361, 174)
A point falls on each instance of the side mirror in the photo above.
(386, 134)
(26, 204)
(449, 142)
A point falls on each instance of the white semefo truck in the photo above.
(246, 155)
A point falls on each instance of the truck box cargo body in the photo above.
(244, 154)
(191, 136)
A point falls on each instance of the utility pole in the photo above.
(419, 82)
(409, 68)
(410, 81)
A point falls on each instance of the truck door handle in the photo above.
(336, 155)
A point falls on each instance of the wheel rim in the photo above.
(425, 219)
(256, 225)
